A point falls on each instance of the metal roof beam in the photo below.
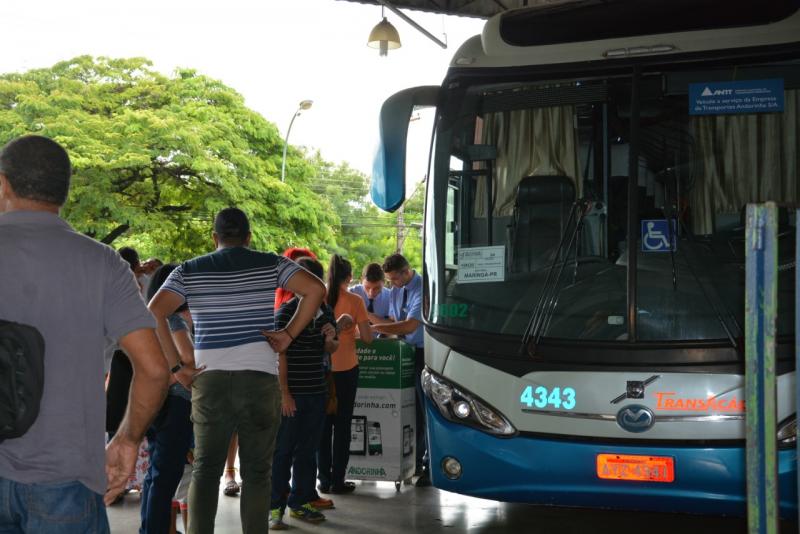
(413, 23)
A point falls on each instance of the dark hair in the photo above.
(159, 277)
(338, 272)
(373, 273)
(232, 226)
(130, 255)
(394, 263)
(311, 265)
(37, 168)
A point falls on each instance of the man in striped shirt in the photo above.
(304, 393)
(231, 295)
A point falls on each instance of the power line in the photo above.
(378, 225)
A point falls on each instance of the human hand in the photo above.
(187, 374)
(376, 319)
(279, 340)
(344, 322)
(121, 456)
(288, 406)
(328, 331)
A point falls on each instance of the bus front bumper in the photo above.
(530, 469)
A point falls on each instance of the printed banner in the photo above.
(383, 430)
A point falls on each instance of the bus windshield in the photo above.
(528, 206)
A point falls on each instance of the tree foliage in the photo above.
(155, 157)
(367, 234)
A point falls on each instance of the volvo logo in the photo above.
(636, 418)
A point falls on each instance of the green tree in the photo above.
(367, 234)
(156, 156)
(413, 215)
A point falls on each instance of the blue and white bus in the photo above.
(584, 249)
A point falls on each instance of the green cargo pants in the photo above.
(224, 402)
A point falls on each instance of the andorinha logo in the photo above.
(668, 401)
(718, 92)
(367, 471)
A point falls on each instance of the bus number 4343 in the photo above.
(541, 397)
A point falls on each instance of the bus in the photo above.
(584, 256)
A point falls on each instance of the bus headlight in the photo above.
(462, 409)
(457, 405)
(787, 433)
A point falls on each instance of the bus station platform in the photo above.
(375, 507)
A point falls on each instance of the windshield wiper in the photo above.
(670, 213)
(548, 299)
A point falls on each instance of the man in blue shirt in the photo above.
(406, 309)
(375, 294)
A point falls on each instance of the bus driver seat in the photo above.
(541, 213)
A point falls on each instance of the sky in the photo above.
(274, 52)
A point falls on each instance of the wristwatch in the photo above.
(177, 367)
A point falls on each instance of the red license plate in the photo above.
(637, 468)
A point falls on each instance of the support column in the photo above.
(761, 308)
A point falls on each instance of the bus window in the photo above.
(451, 227)
(707, 168)
(553, 198)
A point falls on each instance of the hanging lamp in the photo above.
(384, 36)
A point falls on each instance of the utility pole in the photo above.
(401, 227)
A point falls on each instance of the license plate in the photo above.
(636, 468)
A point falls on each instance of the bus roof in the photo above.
(493, 49)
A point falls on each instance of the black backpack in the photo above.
(21, 377)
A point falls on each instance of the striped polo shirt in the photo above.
(231, 296)
(304, 357)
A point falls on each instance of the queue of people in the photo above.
(234, 347)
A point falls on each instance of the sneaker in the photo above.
(307, 513)
(276, 520)
(322, 504)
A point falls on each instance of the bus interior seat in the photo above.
(541, 213)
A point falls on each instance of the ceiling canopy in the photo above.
(465, 8)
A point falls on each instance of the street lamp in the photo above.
(304, 105)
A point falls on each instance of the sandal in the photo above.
(232, 488)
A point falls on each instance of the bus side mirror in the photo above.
(388, 187)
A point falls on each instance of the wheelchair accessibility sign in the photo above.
(656, 236)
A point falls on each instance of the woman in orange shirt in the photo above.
(344, 364)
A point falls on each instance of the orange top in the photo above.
(345, 357)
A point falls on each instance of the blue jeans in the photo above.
(333, 463)
(62, 508)
(295, 453)
(169, 439)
